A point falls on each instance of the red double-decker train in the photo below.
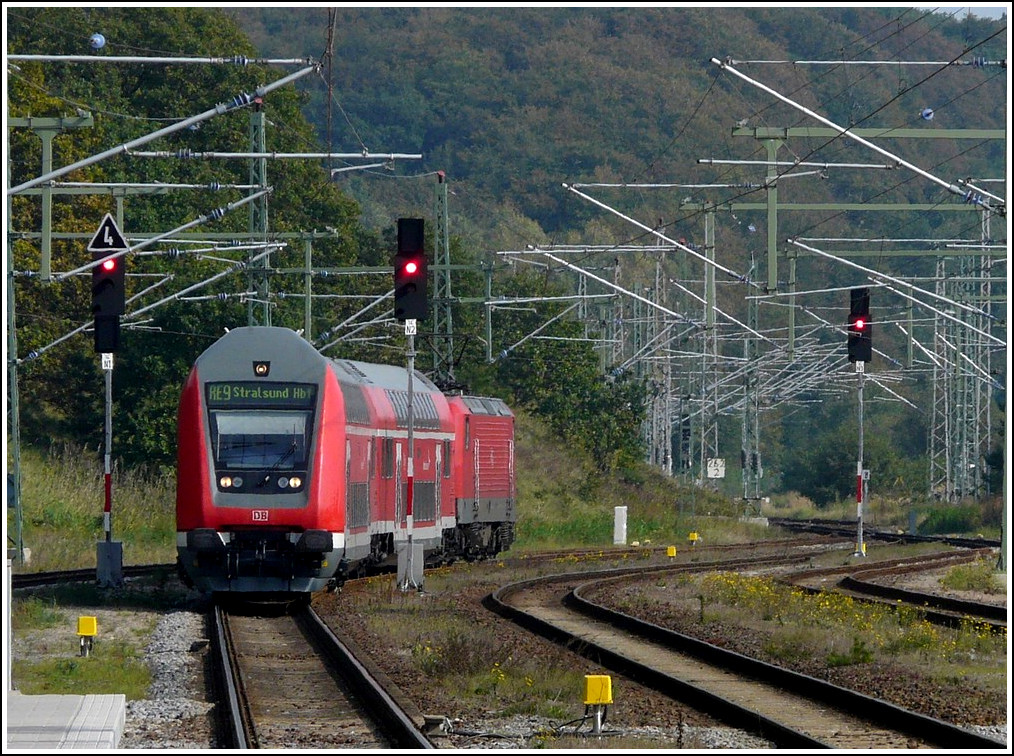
(294, 471)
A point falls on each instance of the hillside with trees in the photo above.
(609, 136)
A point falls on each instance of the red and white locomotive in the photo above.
(292, 468)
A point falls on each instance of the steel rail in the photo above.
(883, 713)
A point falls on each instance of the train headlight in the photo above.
(230, 481)
(295, 481)
(283, 482)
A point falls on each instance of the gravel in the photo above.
(176, 713)
(179, 712)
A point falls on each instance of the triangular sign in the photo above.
(108, 238)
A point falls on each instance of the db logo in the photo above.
(260, 515)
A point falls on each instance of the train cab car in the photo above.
(255, 487)
(483, 460)
(296, 471)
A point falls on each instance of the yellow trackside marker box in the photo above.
(598, 690)
(87, 626)
(671, 551)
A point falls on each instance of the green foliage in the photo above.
(625, 92)
(820, 457)
(951, 519)
(561, 381)
(564, 501)
(64, 382)
(585, 531)
(791, 646)
(475, 91)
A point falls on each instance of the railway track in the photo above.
(847, 529)
(286, 681)
(793, 553)
(21, 580)
(865, 582)
(789, 709)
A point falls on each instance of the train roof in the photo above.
(391, 377)
(486, 405)
(240, 347)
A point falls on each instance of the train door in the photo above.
(350, 517)
(357, 483)
(437, 475)
(371, 470)
(399, 486)
(475, 479)
(386, 490)
(511, 492)
(426, 481)
(447, 475)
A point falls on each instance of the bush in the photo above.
(951, 519)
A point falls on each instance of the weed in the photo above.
(858, 654)
(979, 575)
(790, 647)
(34, 613)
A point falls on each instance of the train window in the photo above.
(387, 458)
(468, 429)
(260, 439)
(447, 459)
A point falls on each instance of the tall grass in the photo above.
(563, 501)
(62, 506)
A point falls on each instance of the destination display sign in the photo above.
(260, 394)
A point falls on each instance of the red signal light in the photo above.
(410, 298)
(860, 324)
(109, 265)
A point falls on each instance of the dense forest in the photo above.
(615, 138)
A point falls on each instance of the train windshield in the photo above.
(260, 439)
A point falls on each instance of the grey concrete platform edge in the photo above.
(62, 721)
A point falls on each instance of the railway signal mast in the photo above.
(410, 305)
(108, 248)
(860, 350)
